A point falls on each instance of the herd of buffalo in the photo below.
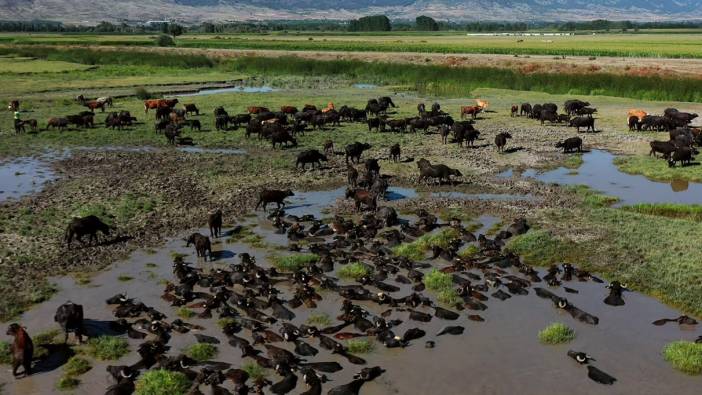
(263, 302)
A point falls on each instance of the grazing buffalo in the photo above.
(58, 123)
(310, 156)
(418, 124)
(573, 106)
(473, 111)
(172, 131)
(355, 150)
(536, 111)
(239, 119)
(21, 349)
(290, 110)
(273, 196)
(256, 109)
(362, 196)
(191, 108)
(282, 137)
(203, 247)
(525, 109)
(70, 317)
(682, 155)
(640, 114)
(664, 147)
(501, 140)
(214, 221)
(583, 122)
(551, 107)
(89, 225)
(396, 125)
(159, 103)
(395, 153)
(441, 172)
(571, 144)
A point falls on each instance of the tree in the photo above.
(425, 23)
(174, 29)
(374, 23)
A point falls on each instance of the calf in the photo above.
(203, 247)
(351, 175)
(21, 349)
(70, 317)
(570, 144)
(682, 155)
(355, 150)
(214, 221)
(634, 123)
(89, 225)
(362, 196)
(444, 132)
(328, 147)
(514, 111)
(194, 124)
(310, 156)
(501, 140)
(583, 122)
(395, 153)
(273, 196)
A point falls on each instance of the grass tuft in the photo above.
(360, 346)
(436, 280)
(76, 366)
(293, 263)
(322, 320)
(556, 333)
(162, 382)
(416, 250)
(107, 348)
(671, 210)
(354, 271)
(67, 383)
(201, 351)
(185, 313)
(226, 321)
(685, 356)
(255, 371)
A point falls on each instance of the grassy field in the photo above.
(671, 45)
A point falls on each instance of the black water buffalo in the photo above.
(396, 125)
(395, 153)
(253, 127)
(214, 221)
(89, 225)
(536, 111)
(583, 122)
(312, 156)
(664, 147)
(501, 140)
(374, 123)
(418, 124)
(651, 122)
(441, 172)
(355, 150)
(525, 109)
(239, 119)
(551, 107)
(682, 155)
(634, 123)
(362, 196)
(203, 247)
(548, 116)
(70, 317)
(573, 106)
(372, 167)
(273, 196)
(282, 137)
(571, 144)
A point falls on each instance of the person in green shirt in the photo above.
(19, 125)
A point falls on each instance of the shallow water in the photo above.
(234, 89)
(501, 355)
(365, 86)
(23, 176)
(600, 173)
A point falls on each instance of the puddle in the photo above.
(500, 355)
(234, 89)
(23, 176)
(365, 86)
(200, 150)
(600, 173)
(505, 197)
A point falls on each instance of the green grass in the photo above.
(540, 247)
(67, 383)
(437, 281)
(573, 161)
(255, 371)
(124, 278)
(107, 348)
(416, 250)
(469, 251)
(201, 351)
(320, 319)
(556, 333)
(360, 346)
(448, 296)
(248, 236)
(591, 197)
(658, 169)
(671, 210)
(292, 263)
(226, 321)
(162, 382)
(354, 271)
(76, 366)
(685, 356)
(185, 313)
(5, 356)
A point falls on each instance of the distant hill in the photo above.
(92, 11)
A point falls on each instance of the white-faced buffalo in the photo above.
(682, 155)
(362, 196)
(583, 122)
(273, 196)
(214, 221)
(615, 294)
(203, 247)
(441, 172)
(70, 317)
(571, 144)
(395, 153)
(501, 140)
(312, 156)
(89, 225)
(21, 349)
(355, 150)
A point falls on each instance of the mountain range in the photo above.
(192, 11)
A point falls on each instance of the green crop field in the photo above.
(664, 45)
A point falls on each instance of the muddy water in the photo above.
(234, 89)
(600, 173)
(23, 176)
(498, 356)
(365, 86)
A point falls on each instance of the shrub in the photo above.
(5, 356)
(684, 356)
(162, 382)
(201, 351)
(107, 348)
(556, 333)
(76, 366)
(164, 40)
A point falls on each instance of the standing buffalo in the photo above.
(312, 156)
(203, 247)
(70, 317)
(89, 225)
(501, 140)
(273, 196)
(583, 122)
(214, 221)
(355, 150)
(570, 144)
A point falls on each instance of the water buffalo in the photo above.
(525, 109)
(310, 156)
(70, 317)
(203, 247)
(473, 111)
(514, 111)
(396, 125)
(282, 137)
(664, 147)
(573, 106)
(89, 225)
(395, 153)
(58, 123)
(441, 172)
(273, 196)
(501, 140)
(21, 349)
(362, 196)
(571, 144)
(682, 155)
(374, 123)
(418, 124)
(634, 123)
(191, 108)
(214, 221)
(355, 150)
(550, 107)
(583, 122)
(351, 175)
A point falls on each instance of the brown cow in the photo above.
(514, 111)
(288, 110)
(636, 113)
(256, 109)
(473, 111)
(21, 349)
(482, 103)
(93, 104)
(362, 196)
(153, 104)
